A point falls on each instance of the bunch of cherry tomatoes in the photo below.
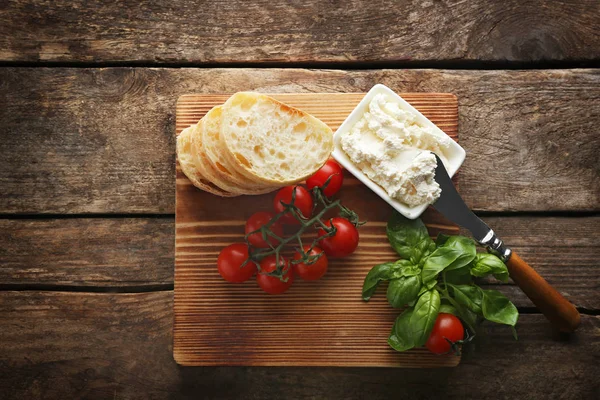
(233, 264)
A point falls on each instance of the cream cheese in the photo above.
(394, 151)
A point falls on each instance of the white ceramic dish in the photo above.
(455, 156)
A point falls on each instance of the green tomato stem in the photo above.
(255, 255)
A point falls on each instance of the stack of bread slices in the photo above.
(252, 144)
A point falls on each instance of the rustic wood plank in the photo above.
(140, 252)
(308, 31)
(97, 346)
(101, 140)
(564, 250)
(87, 252)
(319, 319)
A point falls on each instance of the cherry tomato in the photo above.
(256, 221)
(272, 284)
(345, 240)
(331, 168)
(446, 326)
(311, 272)
(230, 260)
(303, 201)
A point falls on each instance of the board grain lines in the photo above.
(311, 31)
(101, 140)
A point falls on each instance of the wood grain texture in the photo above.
(87, 252)
(140, 252)
(331, 108)
(563, 250)
(322, 323)
(100, 140)
(299, 31)
(96, 346)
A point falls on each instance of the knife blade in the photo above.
(453, 207)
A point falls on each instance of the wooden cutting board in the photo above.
(323, 323)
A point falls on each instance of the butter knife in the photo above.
(559, 311)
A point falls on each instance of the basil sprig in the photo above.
(433, 277)
(409, 238)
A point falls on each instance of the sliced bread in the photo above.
(270, 142)
(186, 158)
(214, 149)
(204, 166)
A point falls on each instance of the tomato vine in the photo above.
(321, 206)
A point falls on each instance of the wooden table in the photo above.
(87, 103)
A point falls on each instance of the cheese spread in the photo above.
(394, 151)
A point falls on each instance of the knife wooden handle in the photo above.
(552, 304)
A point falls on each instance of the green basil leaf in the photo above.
(427, 286)
(468, 316)
(455, 253)
(409, 238)
(377, 274)
(404, 268)
(470, 296)
(430, 285)
(441, 239)
(448, 309)
(459, 276)
(424, 315)
(502, 276)
(402, 290)
(401, 337)
(432, 247)
(441, 258)
(480, 270)
(497, 308)
(486, 263)
(466, 246)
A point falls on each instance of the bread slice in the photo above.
(270, 142)
(203, 165)
(216, 174)
(186, 158)
(214, 148)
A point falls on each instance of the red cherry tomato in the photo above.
(311, 272)
(331, 168)
(345, 240)
(256, 221)
(272, 284)
(230, 260)
(303, 201)
(446, 326)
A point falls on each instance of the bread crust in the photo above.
(185, 154)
